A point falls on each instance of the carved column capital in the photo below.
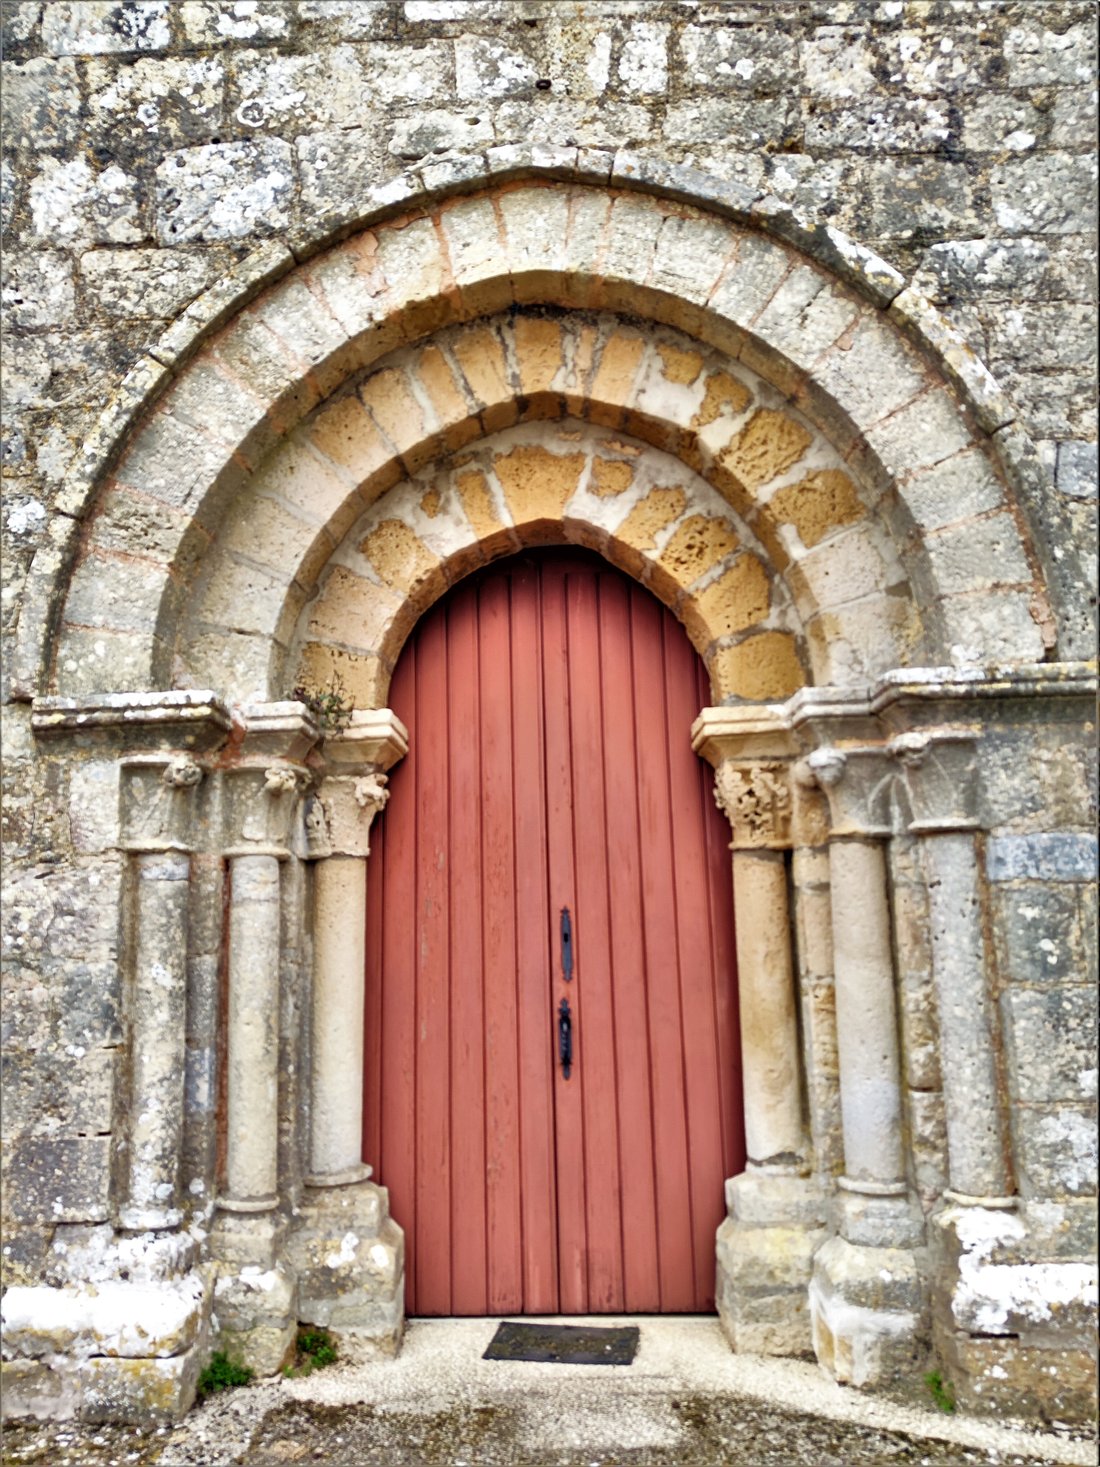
(858, 785)
(342, 812)
(940, 770)
(265, 779)
(157, 801)
(756, 800)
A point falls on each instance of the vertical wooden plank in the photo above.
(634, 1101)
(470, 1290)
(372, 1006)
(688, 871)
(504, 1221)
(594, 1026)
(433, 1141)
(568, 1109)
(533, 949)
(397, 1155)
(719, 882)
(670, 1140)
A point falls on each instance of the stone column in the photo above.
(775, 1218)
(157, 800)
(756, 799)
(338, 828)
(940, 772)
(343, 1215)
(978, 1219)
(866, 1292)
(263, 785)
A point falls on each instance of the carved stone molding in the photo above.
(353, 789)
(858, 784)
(940, 770)
(263, 783)
(756, 799)
(348, 805)
(157, 795)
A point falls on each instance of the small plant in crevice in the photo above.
(314, 1349)
(940, 1391)
(221, 1374)
(331, 706)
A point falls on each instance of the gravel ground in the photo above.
(685, 1401)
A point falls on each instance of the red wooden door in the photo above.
(548, 701)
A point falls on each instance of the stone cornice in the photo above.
(194, 720)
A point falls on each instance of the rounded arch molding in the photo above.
(865, 363)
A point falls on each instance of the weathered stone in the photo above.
(1056, 1149)
(96, 27)
(224, 191)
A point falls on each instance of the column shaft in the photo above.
(340, 914)
(769, 1031)
(157, 1040)
(975, 1138)
(866, 1017)
(253, 1033)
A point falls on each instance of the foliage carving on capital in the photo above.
(756, 800)
(350, 803)
(371, 793)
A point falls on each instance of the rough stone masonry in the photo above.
(788, 310)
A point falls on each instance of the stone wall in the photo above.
(155, 156)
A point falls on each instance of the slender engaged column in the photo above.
(339, 948)
(251, 1170)
(158, 801)
(857, 785)
(262, 798)
(756, 798)
(940, 774)
(338, 825)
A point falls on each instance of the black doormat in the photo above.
(564, 1344)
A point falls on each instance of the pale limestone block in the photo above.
(872, 375)
(921, 434)
(978, 554)
(632, 233)
(241, 597)
(690, 256)
(224, 191)
(93, 805)
(963, 484)
(306, 329)
(845, 568)
(990, 627)
(805, 316)
(239, 662)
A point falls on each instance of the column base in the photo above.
(868, 1314)
(350, 1258)
(765, 1252)
(241, 1239)
(1004, 1349)
(878, 1218)
(256, 1317)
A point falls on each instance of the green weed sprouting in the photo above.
(941, 1392)
(330, 706)
(315, 1348)
(221, 1374)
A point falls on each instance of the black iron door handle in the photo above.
(566, 945)
(565, 1038)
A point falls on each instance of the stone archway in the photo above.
(800, 465)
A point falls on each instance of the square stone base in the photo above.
(866, 1307)
(350, 1259)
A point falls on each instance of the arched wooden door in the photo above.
(549, 701)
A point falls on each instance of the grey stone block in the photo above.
(1057, 856)
(1076, 471)
(1056, 1150)
(1041, 933)
(1051, 1042)
(58, 1179)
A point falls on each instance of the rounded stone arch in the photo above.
(161, 499)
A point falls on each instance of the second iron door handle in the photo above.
(565, 1038)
